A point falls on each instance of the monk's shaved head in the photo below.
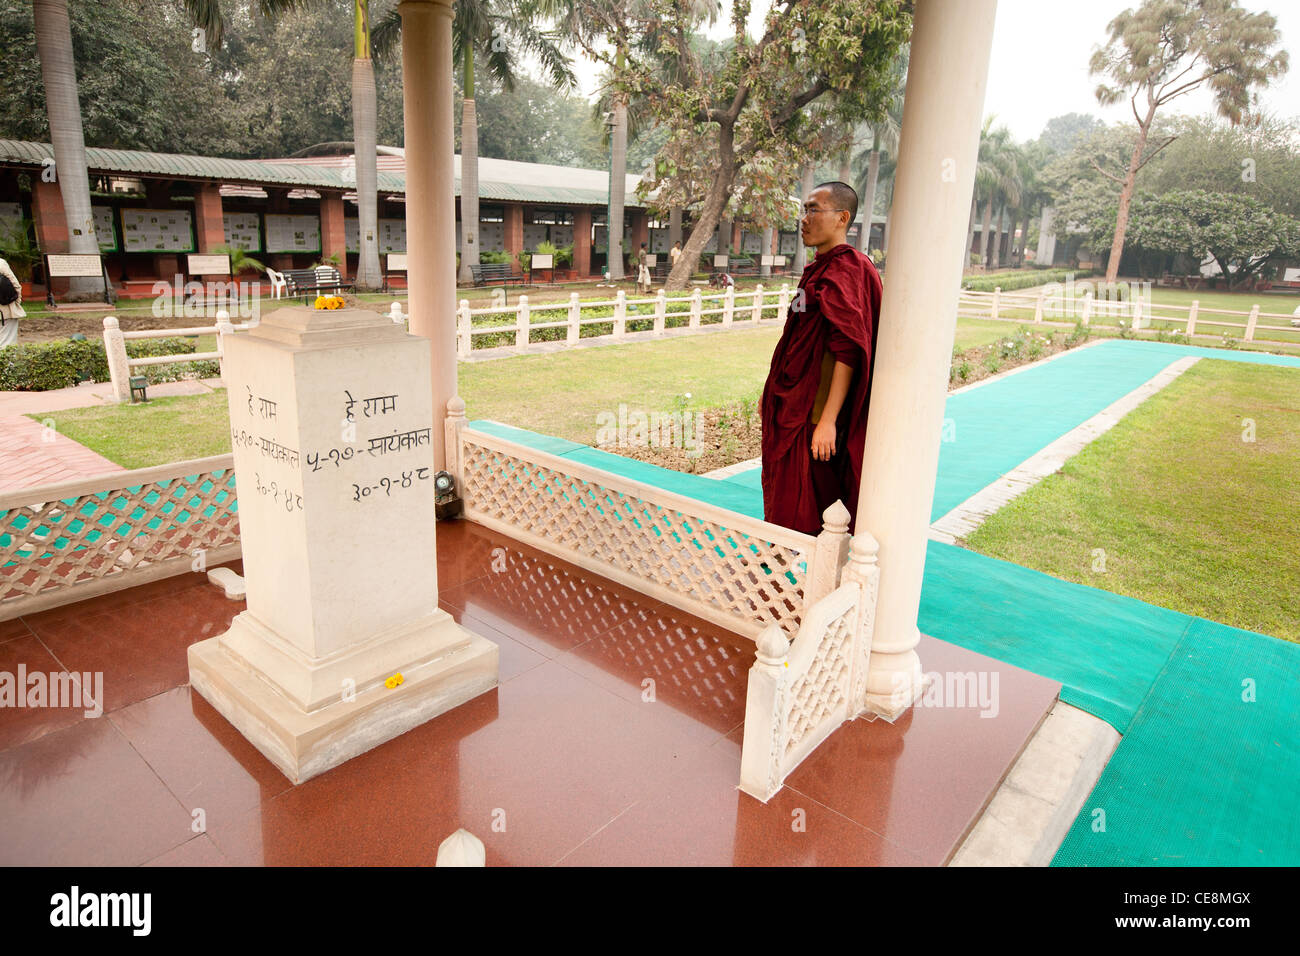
(843, 196)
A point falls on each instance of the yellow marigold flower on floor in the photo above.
(320, 302)
(394, 681)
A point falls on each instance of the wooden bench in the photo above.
(491, 272)
(317, 281)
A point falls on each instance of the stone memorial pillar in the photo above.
(331, 421)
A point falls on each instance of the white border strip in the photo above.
(971, 513)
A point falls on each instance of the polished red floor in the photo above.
(613, 739)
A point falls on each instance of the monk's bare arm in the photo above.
(823, 439)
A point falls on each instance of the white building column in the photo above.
(430, 198)
(942, 111)
(1046, 251)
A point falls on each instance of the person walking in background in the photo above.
(675, 253)
(11, 305)
(642, 270)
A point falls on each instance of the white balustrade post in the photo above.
(1038, 306)
(395, 313)
(832, 548)
(224, 327)
(765, 715)
(757, 314)
(115, 351)
(522, 322)
(1191, 317)
(997, 298)
(620, 315)
(696, 306)
(464, 322)
(661, 310)
(728, 305)
(575, 310)
(1136, 312)
(1250, 323)
(454, 425)
(783, 303)
(1087, 307)
(863, 569)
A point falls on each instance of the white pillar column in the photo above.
(430, 201)
(1046, 250)
(942, 110)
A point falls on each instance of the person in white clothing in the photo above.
(12, 311)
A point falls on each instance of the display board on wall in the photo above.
(243, 230)
(157, 230)
(292, 233)
(104, 228)
(391, 236)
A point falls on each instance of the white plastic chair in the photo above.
(278, 283)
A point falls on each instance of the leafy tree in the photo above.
(1062, 133)
(1242, 234)
(1167, 48)
(747, 116)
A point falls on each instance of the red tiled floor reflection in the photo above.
(613, 738)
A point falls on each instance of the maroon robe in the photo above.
(841, 303)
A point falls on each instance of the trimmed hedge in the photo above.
(1020, 279)
(43, 366)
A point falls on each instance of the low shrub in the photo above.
(1018, 279)
(44, 366)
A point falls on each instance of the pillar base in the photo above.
(892, 706)
(303, 744)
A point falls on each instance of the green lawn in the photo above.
(160, 431)
(1189, 515)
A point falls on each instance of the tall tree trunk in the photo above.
(985, 227)
(846, 166)
(869, 194)
(765, 249)
(710, 212)
(618, 183)
(805, 190)
(54, 47)
(364, 142)
(997, 238)
(1126, 198)
(470, 240)
(970, 233)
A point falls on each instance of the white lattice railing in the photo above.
(727, 309)
(737, 571)
(800, 692)
(69, 541)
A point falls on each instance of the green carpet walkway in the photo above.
(1201, 776)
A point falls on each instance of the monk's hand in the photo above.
(823, 440)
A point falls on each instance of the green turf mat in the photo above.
(1105, 649)
(1203, 777)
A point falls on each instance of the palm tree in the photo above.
(58, 72)
(207, 15)
(494, 30)
(1008, 163)
(995, 180)
(884, 138)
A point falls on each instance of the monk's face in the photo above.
(819, 226)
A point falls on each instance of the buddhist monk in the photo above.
(814, 405)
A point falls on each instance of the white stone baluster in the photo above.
(661, 309)
(728, 306)
(571, 333)
(757, 314)
(464, 322)
(454, 425)
(620, 315)
(1191, 317)
(696, 306)
(1250, 322)
(783, 303)
(863, 569)
(832, 549)
(521, 325)
(115, 351)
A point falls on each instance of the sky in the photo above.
(1039, 63)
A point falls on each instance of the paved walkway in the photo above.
(34, 453)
